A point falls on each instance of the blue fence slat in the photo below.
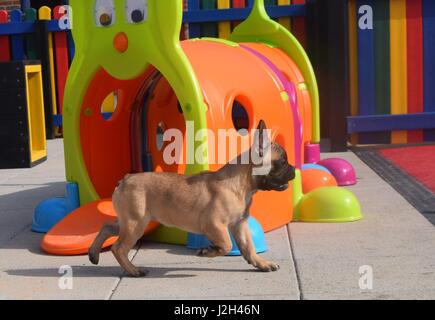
(194, 28)
(19, 28)
(429, 61)
(380, 123)
(14, 28)
(17, 40)
(366, 66)
(57, 120)
(71, 48)
(367, 70)
(200, 16)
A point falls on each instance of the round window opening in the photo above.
(240, 118)
(161, 128)
(109, 105)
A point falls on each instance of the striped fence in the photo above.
(392, 71)
(217, 18)
(32, 35)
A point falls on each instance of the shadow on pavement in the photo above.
(16, 213)
(110, 272)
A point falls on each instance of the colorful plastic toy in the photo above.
(161, 83)
(327, 204)
(341, 169)
(314, 166)
(57, 209)
(315, 178)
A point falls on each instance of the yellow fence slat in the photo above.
(286, 22)
(398, 51)
(224, 27)
(45, 14)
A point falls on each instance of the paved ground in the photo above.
(319, 261)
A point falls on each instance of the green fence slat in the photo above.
(30, 15)
(209, 29)
(381, 17)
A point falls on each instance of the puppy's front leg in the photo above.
(219, 236)
(243, 237)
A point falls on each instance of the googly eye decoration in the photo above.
(104, 13)
(136, 11)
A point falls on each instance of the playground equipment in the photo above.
(341, 169)
(261, 72)
(326, 204)
(22, 126)
(316, 178)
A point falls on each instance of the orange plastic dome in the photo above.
(313, 179)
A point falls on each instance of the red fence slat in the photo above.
(238, 4)
(415, 63)
(299, 28)
(61, 58)
(5, 48)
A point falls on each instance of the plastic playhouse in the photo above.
(161, 83)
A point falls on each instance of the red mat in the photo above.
(418, 162)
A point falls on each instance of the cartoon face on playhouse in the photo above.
(115, 30)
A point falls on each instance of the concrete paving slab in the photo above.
(55, 162)
(155, 253)
(228, 277)
(394, 239)
(30, 180)
(15, 217)
(27, 273)
(9, 232)
(22, 196)
(231, 280)
(6, 174)
(319, 261)
(393, 278)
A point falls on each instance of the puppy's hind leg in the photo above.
(128, 237)
(110, 229)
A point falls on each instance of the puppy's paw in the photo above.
(209, 252)
(94, 258)
(202, 252)
(139, 273)
(267, 266)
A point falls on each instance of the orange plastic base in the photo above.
(73, 237)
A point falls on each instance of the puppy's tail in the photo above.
(109, 230)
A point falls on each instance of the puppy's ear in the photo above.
(261, 125)
(261, 139)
